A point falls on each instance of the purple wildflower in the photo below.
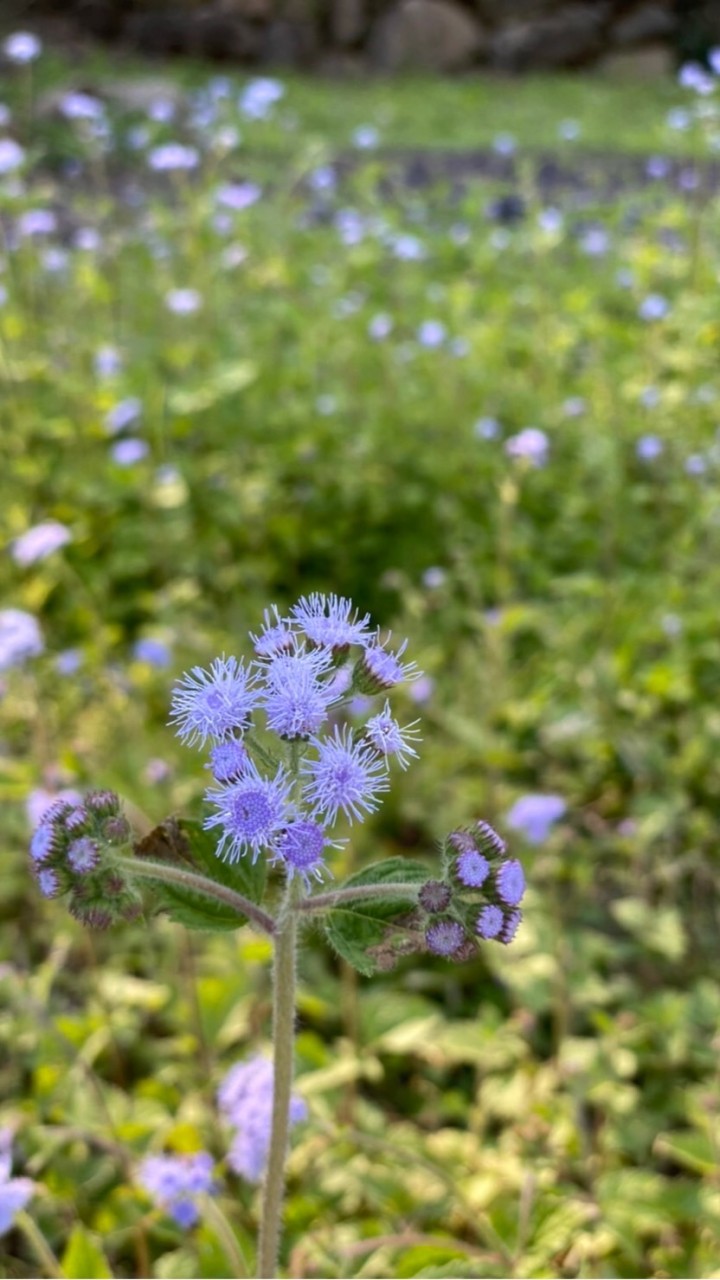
(228, 760)
(275, 637)
(173, 156)
(530, 443)
(122, 414)
(300, 848)
(444, 937)
(510, 882)
(154, 652)
(382, 669)
(213, 704)
(648, 448)
(48, 882)
(296, 701)
(489, 922)
(435, 896)
(20, 637)
(127, 452)
(245, 1099)
(389, 739)
(43, 842)
(22, 46)
(183, 302)
(330, 621)
(534, 815)
(251, 812)
(83, 854)
(173, 1180)
(14, 1192)
(472, 868)
(510, 926)
(346, 776)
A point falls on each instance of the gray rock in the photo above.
(651, 62)
(647, 23)
(572, 37)
(427, 35)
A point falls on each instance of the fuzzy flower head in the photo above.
(444, 937)
(20, 637)
(345, 776)
(229, 760)
(276, 635)
(40, 542)
(245, 1099)
(384, 733)
(534, 815)
(250, 812)
(173, 1182)
(301, 849)
(379, 668)
(330, 621)
(214, 703)
(296, 700)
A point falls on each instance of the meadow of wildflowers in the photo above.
(257, 365)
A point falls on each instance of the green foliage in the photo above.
(187, 844)
(361, 929)
(549, 1109)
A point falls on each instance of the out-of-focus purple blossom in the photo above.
(657, 168)
(695, 464)
(323, 178)
(648, 448)
(259, 97)
(22, 47)
(238, 195)
(486, 428)
(157, 771)
(245, 1101)
(87, 239)
(172, 157)
(692, 76)
(36, 222)
(569, 130)
(68, 662)
(678, 119)
(713, 58)
(126, 453)
(431, 334)
(107, 363)
(531, 444)
(12, 155)
(422, 690)
(653, 307)
(162, 110)
(20, 637)
(534, 815)
(54, 259)
(81, 106)
(152, 651)
(380, 327)
(688, 180)
(226, 138)
(15, 1193)
(434, 577)
(407, 248)
(123, 414)
(574, 407)
(40, 542)
(183, 302)
(595, 242)
(366, 136)
(138, 137)
(550, 220)
(504, 144)
(174, 1180)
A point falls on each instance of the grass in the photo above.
(550, 1108)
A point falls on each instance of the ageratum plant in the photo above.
(286, 771)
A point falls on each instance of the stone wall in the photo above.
(511, 36)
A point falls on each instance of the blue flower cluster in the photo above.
(67, 855)
(284, 796)
(174, 1182)
(245, 1099)
(479, 898)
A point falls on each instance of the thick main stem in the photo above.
(283, 1052)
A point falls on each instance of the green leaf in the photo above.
(83, 1257)
(184, 842)
(358, 928)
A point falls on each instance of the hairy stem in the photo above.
(338, 897)
(147, 869)
(283, 1051)
(35, 1238)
